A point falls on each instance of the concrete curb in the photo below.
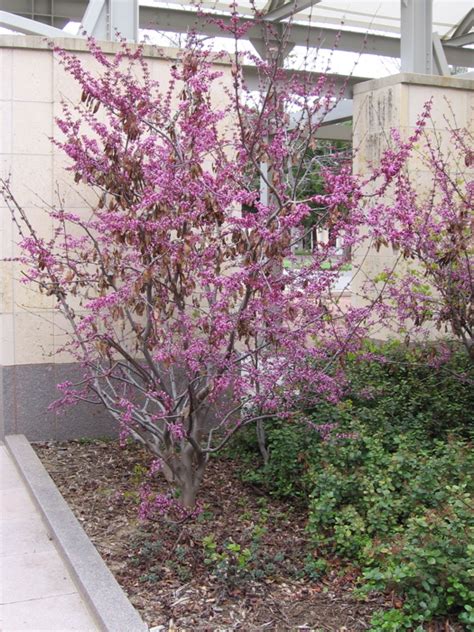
(107, 602)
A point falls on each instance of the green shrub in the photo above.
(386, 476)
(362, 490)
(406, 391)
(430, 563)
(288, 446)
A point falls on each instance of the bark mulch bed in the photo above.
(192, 576)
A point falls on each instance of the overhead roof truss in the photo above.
(102, 17)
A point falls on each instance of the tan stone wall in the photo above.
(31, 88)
(396, 102)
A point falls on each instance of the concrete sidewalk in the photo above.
(36, 590)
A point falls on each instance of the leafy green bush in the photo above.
(387, 478)
(361, 490)
(288, 446)
(412, 390)
(430, 563)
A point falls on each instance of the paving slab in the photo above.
(16, 504)
(33, 576)
(18, 536)
(37, 592)
(9, 478)
(86, 573)
(63, 613)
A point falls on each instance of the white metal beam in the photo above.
(465, 25)
(439, 56)
(340, 113)
(288, 10)
(416, 39)
(461, 40)
(342, 85)
(103, 19)
(124, 18)
(334, 132)
(94, 21)
(178, 21)
(282, 49)
(29, 27)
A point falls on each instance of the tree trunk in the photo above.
(188, 495)
(191, 471)
(262, 441)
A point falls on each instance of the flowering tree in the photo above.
(189, 317)
(430, 224)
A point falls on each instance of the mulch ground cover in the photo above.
(239, 565)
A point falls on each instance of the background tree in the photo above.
(430, 224)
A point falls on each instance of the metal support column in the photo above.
(416, 39)
(441, 63)
(103, 19)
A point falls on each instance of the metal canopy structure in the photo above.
(428, 36)
(392, 28)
